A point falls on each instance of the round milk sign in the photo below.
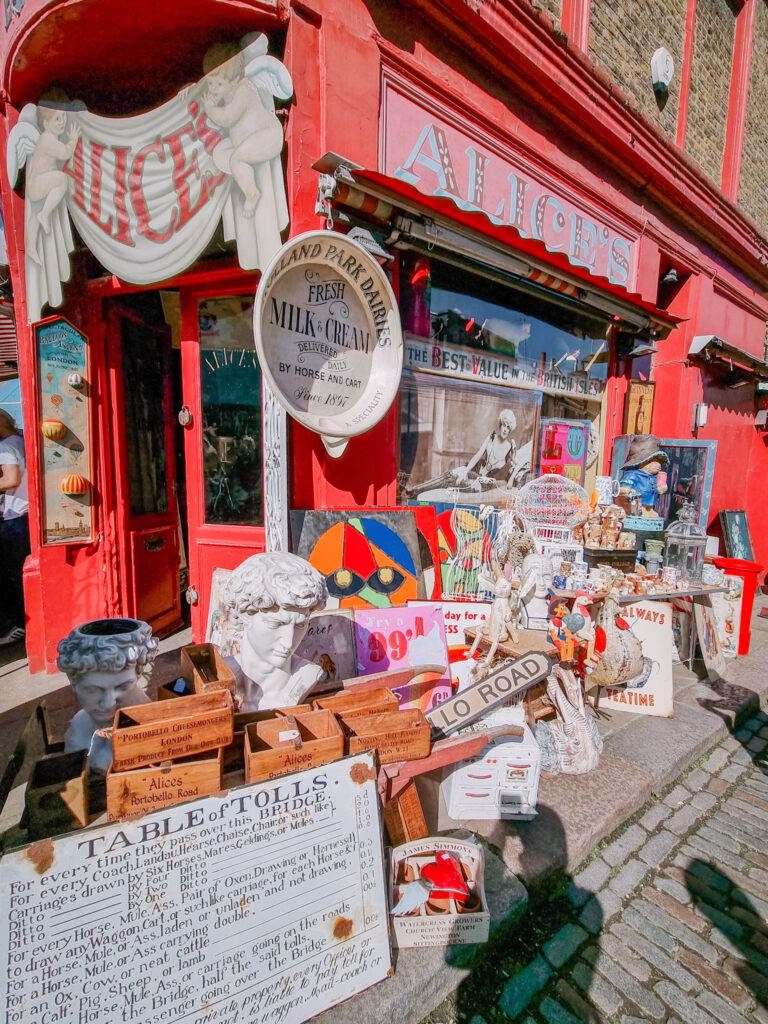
(328, 336)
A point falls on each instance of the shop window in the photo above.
(230, 380)
(144, 363)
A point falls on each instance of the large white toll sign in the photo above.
(328, 336)
(265, 904)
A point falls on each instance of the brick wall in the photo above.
(753, 193)
(552, 8)
(710, 85)
(624, 37)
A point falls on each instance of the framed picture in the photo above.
(465, 443)
(564, 448)
(690, 473)
(738, 542)
(638, 407)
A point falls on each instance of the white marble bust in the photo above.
(107, 663)
(535, 581)
(273, 594)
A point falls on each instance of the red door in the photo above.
(222, 389)
(147, 521)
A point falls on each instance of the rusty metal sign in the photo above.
(509, 681)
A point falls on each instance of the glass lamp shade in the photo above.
(686, 542)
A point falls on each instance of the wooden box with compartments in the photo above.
(291, 743)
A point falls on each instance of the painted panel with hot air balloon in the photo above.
(64, 425)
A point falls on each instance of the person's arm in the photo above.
(478, 455)
(11, 476)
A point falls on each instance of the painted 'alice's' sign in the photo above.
(146, 193)
(328, 336)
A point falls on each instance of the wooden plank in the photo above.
(362, 702)
(509, 681)
(404, 817)
(170, 729)
(156, 786)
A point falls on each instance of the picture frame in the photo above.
(690, 474)
(736, 535)
(638, 407)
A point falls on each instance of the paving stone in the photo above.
(753, 725)
(676, 797)
(716, 760)
(601, 993)
(616, 950)
(716, 979)
(659, 847)
(578, 1006)
(746, 975)
(661, 959)
(678, 910)
(756, 745)
(714, 879)
(733, 772)
(656, 935)
(553, 1012)
(741, 757)
(719, 1008)
(751, 902)
(757, 858)
(654, 817)
(721, 839)
(477, 1019)
(521, 989)
(696, 886)
(626, 844)
(661, 919)
(562, 946)
(727, 924)
(600, 909)
(704, 801)
(745, 832)
(622, 981)
(586, 881)
(629, 877)
(689, 1012)
(748, 804)
(696, 845)
(718, 938)
(718, 787)
(683, 820)
(761, 1014)
(648, 741)
(743, 735)
(674, 889)
(696, 780)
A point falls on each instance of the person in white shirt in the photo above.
(14, 528)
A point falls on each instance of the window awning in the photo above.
(438, 223)
(709, 348)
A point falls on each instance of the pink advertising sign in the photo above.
(440, 159)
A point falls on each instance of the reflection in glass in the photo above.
(230, 380)
(143, 356)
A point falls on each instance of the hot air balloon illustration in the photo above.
(75, 485)
(57, 400)
(49, 377)
(54, 430)
(75, 380)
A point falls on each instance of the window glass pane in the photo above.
(144, 364)
(231, 398)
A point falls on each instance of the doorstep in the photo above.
(642, 757)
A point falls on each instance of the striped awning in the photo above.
(9, 351)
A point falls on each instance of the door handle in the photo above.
(185, 416)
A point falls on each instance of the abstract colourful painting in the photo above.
(369, 560)
(464, 548)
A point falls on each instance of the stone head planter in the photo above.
(107, 662)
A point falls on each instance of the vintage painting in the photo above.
(64, 410)
(462, 443)
(369, 560)
(638, 407)
(709, 644)
(736, 535)
(564, 448)
(652, 624)
(465, 546)
(727, 610)
(690, 474)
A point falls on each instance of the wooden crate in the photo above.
(162, 785)
(234, 754)
(170, 729)
(366, 702)
(56, 798)
(206, 670)
(396, 735)
(173, 689)
(266, 757)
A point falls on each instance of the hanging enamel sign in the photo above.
(328, 336)
(146, 193)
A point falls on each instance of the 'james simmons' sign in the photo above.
(328, 336)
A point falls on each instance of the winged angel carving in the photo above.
(147, 192)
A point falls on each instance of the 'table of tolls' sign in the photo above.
(509, 681)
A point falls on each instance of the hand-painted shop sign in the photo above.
(328, 336)
(146, 193)
(471, 364)
(440, 159)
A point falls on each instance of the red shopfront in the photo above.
(192, 469)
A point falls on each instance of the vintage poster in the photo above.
(564, 448)
(466, 444)
(638, 407)
(727, 611)
(392, 638)
(706, 629)
(651, 694)
(266, 903)
(64, 408)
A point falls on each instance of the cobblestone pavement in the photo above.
(667, 922)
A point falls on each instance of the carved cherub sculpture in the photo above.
(273, 594)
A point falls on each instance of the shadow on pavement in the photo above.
(517, 962)
(731, 697)
(706, 885)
